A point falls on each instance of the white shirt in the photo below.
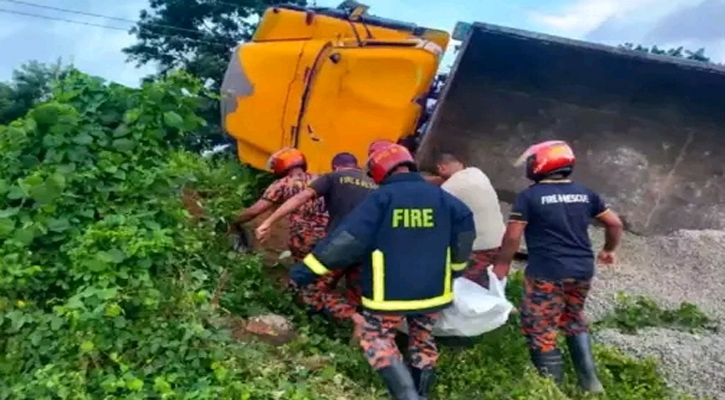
(474, 189)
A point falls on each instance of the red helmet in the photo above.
(383, 161)
(377, 145)
(553, 157)
(285, 159)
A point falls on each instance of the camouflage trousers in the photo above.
(549, 306)
(323, 296)
(301, 242)
(479, 262)
(378, 339)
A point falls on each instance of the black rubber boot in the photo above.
(424, 380)
(399, 382)
(550, 363)
(580, 348)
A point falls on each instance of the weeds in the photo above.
(634, 313)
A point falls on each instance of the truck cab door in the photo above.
(357, 94)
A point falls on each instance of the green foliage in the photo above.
(679, 52)
(106, 283)
(633, 313)
(32, 82)
(197, 36)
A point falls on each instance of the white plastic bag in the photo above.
(475, 310)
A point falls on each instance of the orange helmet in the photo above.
(553, 157)
(377, 145)
(383, 161)
(285, 159)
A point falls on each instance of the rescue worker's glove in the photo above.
(301, 276)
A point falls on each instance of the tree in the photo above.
(197, 36)
(30, 84)
(680, 52)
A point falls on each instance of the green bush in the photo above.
(633, 313)
(106, 280)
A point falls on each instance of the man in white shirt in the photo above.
(472, 187)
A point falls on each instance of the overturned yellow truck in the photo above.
(649, 130)
(327, 80)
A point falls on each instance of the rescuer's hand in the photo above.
(262, 232)
(501, 270)
(606, 258)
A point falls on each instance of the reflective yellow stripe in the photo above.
(458, 266)
(378, 264)
(405, 305)
(447, 289)
(378, 301)
(455, 266)
(314, 264)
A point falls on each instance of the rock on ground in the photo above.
(692, 363)
(270, 328)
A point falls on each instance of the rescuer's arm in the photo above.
(253, 211)
(271, 196)
(613, 228)
(512, 237)
(463, 233)
(346, 245)
(285, 209)
(290, 205)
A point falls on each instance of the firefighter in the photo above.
(554, 214)
(307, 223)
(472, 187)
(343, 189)
(413, 239)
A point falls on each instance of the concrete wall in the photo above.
(649, 134)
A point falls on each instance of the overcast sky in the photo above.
(97, 50)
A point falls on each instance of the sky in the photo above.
(25, 35)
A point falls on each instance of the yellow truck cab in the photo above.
(327, 80)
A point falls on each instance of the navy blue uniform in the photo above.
(557, 216)
(412, 238)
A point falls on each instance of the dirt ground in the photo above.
(273, 247)
(277, 242)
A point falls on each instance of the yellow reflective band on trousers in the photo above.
(314, 264)
(378, 301)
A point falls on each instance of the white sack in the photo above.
(475, 310)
